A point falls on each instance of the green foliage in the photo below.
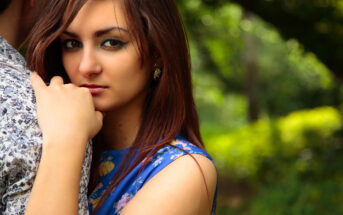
(317, 24)
(295, 197)
(302, 128)
(254, 150)
(291, 159)
(289, 79)
(293, 164)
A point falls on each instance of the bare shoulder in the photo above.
(186, 186)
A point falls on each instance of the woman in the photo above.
(132, 59)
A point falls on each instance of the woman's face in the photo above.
(99, 53)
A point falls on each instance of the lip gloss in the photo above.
(95, 89)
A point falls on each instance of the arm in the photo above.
(20, 140)
(56, 187)
(67, 118)
(177, 189)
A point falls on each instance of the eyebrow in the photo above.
(99, 32)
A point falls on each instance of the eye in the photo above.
(71, 44)
(112, 43)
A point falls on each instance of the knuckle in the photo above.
(69, 86)
(56, 78)
(84, 90)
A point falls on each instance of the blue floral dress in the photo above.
(133, 182)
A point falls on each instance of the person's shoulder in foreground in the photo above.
(20, 137)
(19, 133)
(181, 176)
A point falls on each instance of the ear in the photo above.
(157, 59)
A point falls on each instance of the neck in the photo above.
(120, 128)
(10, 23)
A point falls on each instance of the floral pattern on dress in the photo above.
(135, 180)
(122, 202)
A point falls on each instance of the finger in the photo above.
(56, 80)
(37, 82)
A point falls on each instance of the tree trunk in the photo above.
(251, 73)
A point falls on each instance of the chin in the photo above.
(101, 109)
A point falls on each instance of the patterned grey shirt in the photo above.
(20, 137)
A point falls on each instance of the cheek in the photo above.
(130, 72)
(124, 66)
(70, 64)
(127, 76)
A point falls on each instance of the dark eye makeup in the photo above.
(70, 44)
(112, 43)
(107, 43)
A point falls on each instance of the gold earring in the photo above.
(157, 73)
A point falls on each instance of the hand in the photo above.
(65, 111)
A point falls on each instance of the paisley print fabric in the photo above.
(20, 137)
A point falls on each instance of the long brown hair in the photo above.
(169, 107)
(4, 5)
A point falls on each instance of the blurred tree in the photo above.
(252, 85)
(317, 24)
(285, 77)
(239, 61)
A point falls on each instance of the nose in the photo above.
(89, 65)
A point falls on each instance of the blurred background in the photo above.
(267, 79)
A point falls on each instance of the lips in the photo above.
(95, 89)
